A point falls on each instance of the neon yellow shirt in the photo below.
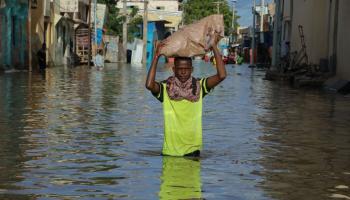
(182, 123)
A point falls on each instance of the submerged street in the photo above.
(81, 133)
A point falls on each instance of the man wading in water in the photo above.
(181, 96)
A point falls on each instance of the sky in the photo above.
(244, 9)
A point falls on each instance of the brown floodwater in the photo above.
(79, 133)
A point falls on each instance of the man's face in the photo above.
(183, 70)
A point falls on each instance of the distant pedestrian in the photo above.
(99, 60)
(41, 55)
(181, 95)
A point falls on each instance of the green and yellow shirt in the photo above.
(182, 122)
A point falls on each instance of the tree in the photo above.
(134, 28)
(195, 10)
(114, 23)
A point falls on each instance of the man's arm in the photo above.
(151, 83)
(213, 81)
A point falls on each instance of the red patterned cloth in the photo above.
(189, 90)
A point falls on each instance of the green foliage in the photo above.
(195, 10)
(114, 22)
(134, 30)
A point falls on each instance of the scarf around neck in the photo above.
(189, 90)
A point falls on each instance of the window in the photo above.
(160, 8)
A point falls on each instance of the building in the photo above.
(13, 34)
(326, 31)
(81, 32)
(158, 10)
(69, 15)
(40, 28)
(155, 31)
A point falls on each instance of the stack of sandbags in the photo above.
(194, 39)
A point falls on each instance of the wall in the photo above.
(312, 15)
(62, 33)
(111, 48)
(169, 11)
(13, 30)
(37, 28)
(170, 5)
(343, 44)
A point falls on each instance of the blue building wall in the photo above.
(13, 32)
(150, 39)
(155, 31)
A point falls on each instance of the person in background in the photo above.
(99, 60)
(41, 55)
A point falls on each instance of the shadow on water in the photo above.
(79, 133)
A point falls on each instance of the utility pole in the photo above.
(89, 34)
(233, 19)
(29, 35)
(262, 7)
(275, 50)
(253, 38)
(95, 26)
(125, 32)
(145, 29)
(217, 6)
(183, 14)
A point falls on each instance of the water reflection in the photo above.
(180, 178)
(12, 150)
(305, 145)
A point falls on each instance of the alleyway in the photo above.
(78, 132)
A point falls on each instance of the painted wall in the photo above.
(64, 40)
(151, 36)
(62, 34)
(343, 45)
(312, 15)
(13, 32)
(37, 28)
(326, 31)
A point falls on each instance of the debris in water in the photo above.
(342, 187)
(339, 196)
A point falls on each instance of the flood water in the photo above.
(79, 133)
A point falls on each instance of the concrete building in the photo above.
(159, 10)
(13, 34)
(40, 29)
(67, 15)
(326, 30)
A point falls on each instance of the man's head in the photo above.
(183, 68)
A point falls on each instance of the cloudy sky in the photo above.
(244, 8)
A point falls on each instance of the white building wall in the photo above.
(159, 10)
(170, 5)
